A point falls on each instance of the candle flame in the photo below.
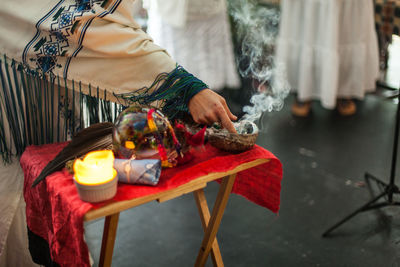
(95, 168)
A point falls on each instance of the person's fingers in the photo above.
(208, 107)
(226, 122)
(228, 111)
(209, 118)
(213, 116)
(203, 120)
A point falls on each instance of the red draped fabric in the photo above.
(55, 212)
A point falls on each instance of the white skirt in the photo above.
(329, 48)
(203, 47)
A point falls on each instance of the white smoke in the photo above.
(257, 29)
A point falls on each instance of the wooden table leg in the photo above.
(107, 244)
(215, 220)
(204, 213)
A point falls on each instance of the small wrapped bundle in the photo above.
(146, 171)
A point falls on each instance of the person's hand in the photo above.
(208, 107)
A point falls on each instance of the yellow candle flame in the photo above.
(95, 168)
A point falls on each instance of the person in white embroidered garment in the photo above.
(52, 47)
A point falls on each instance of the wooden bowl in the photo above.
(232, 142)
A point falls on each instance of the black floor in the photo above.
(324, 160)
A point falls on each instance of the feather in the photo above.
(96, 137)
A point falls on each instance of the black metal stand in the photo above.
(387, 190)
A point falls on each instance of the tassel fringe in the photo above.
(174, 90)
(37, 109)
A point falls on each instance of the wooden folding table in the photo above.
(210, 223)
(255, 174)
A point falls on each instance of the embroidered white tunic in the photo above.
(95, 42)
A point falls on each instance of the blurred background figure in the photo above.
(330, 51)
(197, 34)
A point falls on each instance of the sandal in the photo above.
(346, 107)
(301, 109)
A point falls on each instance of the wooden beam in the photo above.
(182, 191)
(215, 220)
(204, 213)
(118, 206)
(107, 244)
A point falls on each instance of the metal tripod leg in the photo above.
(369, 176)
(389, 189)
(351, 215)
(379, 183)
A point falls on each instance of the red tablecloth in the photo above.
(55, 212)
